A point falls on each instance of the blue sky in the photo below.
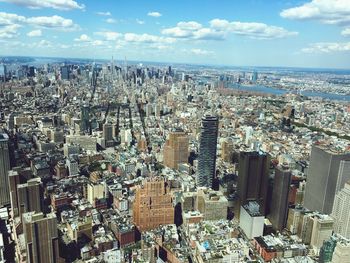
(310, 33)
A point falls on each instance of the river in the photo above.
(276, 91)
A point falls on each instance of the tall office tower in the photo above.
(14, 180)
(3, 72)
(41, 237)
(108, 131)
(324, 178)
(65, 72)
(153, 205)
(30, 196)
(4, 168)
(279, 201)
(207, 151)
(253, 178)
(341, 212)
(85, 118)
(176, 149)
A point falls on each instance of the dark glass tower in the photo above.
(85, 118)
(279, 204)
(207, 151)
(253, 178)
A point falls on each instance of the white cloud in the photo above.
(55, 4)
(251, 29)
(44, 43)
(219, 29)
(154, 14)
(192, 30)
(9, 31)
(97, 43)
(146, 38)
(111, 21)
(55, 22)
(83, 38)
(191, 25)
(9, 19)
(109, 35)
(140, 22)
(104, 13)
(198, 51)
(334, 12)
(64, 46)
(35, 33)
(327, 47)
(346, 32)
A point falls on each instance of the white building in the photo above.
(251, 221)
(341, 211)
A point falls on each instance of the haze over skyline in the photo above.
(242, 33)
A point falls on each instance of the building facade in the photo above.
(324, 178)
(176, 149)
(207, 151)
(153, 205)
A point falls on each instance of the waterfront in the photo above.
(276, 91)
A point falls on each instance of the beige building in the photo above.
(212, 204)
(322, 230)
(41, 237)
(341, 252)
(95, 191)
(176, 149)
(153, 205)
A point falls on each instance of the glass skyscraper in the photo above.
(207, 151)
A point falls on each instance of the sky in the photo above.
(288, 33)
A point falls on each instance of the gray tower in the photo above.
(4, 168)
(279, 204)
(85, 118)
(207, 151)
(326, 175)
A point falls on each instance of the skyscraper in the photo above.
(14, 180)
(253, 178)
(41, 237)
(85, 118)
(207, 151)
(30, 196)
(153, 205)
(4, 168)
(324, 178)
(176, 149)
(108, 131)
(279, 204)
(341, 211)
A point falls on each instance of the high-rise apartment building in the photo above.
(41, 237)
(253, 178)
(279, 201)
(176, 149)
(4, 168)
(325, 177)
(207, 151)
(341, 211)
(153, 205)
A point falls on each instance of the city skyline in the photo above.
(242, 33)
